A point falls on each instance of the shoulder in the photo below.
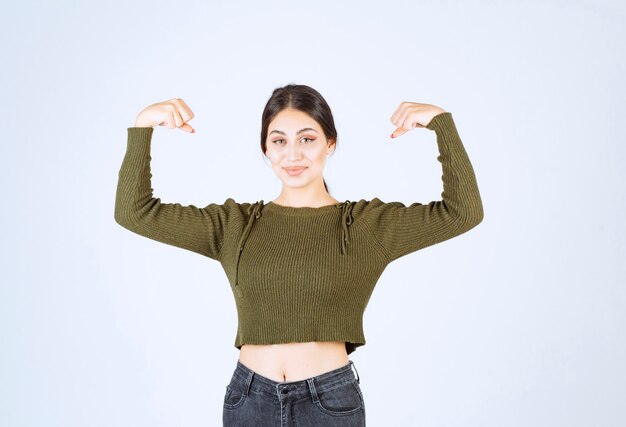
(233, 209)
(246, 209)
(376, 213)
(365, 207)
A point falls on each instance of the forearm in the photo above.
(460, 195)
(134, 178)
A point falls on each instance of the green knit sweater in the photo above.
(301, 273)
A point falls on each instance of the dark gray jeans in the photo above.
(331, 399)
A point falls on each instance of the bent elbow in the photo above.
(472, 217)
(469, 217)
(124, 217)
(119, 218)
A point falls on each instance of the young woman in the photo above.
(303, 266)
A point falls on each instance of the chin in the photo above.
(293, 185)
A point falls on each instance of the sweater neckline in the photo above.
(303, 210)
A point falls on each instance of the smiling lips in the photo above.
(295, 171)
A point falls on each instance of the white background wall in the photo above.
(519, 322)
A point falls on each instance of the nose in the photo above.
(294, 152)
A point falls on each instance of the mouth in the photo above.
(294, 171)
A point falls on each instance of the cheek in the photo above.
(320, 158)
(314, 154)
(273, 155)
(276, 159)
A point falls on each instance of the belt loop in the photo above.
(248, 382)
(313, 391)
(356, 373)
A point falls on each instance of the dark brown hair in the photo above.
(303, 98)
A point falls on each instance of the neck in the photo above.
(314, 197)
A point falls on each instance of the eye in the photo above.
(282, 141)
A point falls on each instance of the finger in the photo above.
(402, 110)
(178, 121)
(396, 114)
(407, 119)
(399, 131)
(187, 128)
(171, 122)
(409, 122)
(185, 111)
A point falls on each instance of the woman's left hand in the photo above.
(411, 115)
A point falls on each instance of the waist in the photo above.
(294, 361)
(297, 389)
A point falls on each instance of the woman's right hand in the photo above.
(171, 114)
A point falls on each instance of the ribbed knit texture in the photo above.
(302, 274)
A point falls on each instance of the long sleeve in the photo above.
(399, 230)
(196, 229)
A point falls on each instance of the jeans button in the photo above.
(285, 390)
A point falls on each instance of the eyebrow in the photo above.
(298, 133)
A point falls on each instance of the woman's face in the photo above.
(297, 148)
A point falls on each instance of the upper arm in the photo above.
(400, 229)
(198, 229)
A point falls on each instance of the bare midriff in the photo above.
(294, 361)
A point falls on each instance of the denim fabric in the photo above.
(331, 399)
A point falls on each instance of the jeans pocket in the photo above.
(234, 397)
(344, 399)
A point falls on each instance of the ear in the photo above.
(330, 148)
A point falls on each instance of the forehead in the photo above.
(290, 120)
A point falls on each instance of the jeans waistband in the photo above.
(250, 379)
